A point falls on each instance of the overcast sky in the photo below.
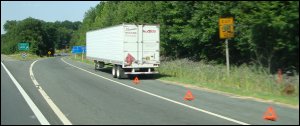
(49, 11)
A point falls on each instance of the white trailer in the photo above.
(130, 48)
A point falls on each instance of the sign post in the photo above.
(227, 56)
(82, 56)
(82, 47)
(226, 32)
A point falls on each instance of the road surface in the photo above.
(86, 96)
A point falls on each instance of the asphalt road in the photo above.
(86, 96)
(20, 113)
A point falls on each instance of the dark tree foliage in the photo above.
(42, 36)
(266, 33)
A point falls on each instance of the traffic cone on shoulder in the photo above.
(270, 114)
(136, 80)
(189, 96)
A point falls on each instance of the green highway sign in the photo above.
(23, 46)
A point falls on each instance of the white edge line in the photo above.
(176, 102)
(28, 100)
(56, 110)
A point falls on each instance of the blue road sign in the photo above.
(78, 49)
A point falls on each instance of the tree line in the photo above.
(266, 33)
(42, 36)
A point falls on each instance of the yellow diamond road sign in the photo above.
(226, 28)
(49, 52)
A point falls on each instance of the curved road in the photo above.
(86, 96)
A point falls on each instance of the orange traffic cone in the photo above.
(136, 80)
(270, 114)
(189, 96)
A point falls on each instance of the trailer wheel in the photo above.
(120, 72)
(101, 64)
(114, 71)
(96, 65)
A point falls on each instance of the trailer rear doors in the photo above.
(141, 46)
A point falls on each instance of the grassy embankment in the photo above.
(79, 58)
(29, 56)
(244, 80)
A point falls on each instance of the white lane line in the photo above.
(28, 100)
(56, 110)
(170, 100)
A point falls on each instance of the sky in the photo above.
(49, 11)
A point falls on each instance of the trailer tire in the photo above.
(120, 72)
(114, 71)
(101, 64)
(96, 65)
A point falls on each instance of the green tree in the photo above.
(41, 36)
(266, 33)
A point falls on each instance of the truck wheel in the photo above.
(120, 72)
(101, 64)
(96, 66)
(114, 71)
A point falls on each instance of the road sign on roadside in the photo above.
(226, 31)
(49, 52)
(226, 28)
(78, 49)
(23, 46)
(24, 55)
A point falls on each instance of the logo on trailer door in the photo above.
(129, 29)
(129, 59)
(130, 32)
(149, 31)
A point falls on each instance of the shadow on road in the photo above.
(141, 77)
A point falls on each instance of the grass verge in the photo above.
(29, 56)
(243, 80)
(79, 58)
